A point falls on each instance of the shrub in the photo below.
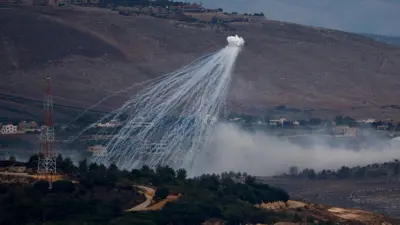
(161, 193)
(65, 186)
(42, 186)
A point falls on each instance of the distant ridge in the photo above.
(385, 39)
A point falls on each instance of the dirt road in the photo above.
(149, 194)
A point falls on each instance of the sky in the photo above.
(359, 16)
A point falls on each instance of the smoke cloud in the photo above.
(235, 149)
(235, 41)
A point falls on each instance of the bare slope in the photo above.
(95, 52)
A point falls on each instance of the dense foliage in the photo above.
(384, 170)
(103, 194)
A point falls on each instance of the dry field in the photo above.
(378, 195)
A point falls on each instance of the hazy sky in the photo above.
(362, 16)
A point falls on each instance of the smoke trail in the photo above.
(108, 97)
(169, 122)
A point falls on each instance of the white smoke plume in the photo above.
(235, 41)
(234, 149)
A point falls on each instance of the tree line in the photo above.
(384, 170)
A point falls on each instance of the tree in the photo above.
(396, 169)
(161, 193)
(12, 158)
(65, 186)
(59, 160)
(113, 172)
(65, 165)
(181, 174)
(32, 162)
(83, 167)
(315, 121)
(250, 180)
(293, 171)
(146, 171)
(42, 186)
(348, 121)
(343, 173)
(309, 173)
(297, 218)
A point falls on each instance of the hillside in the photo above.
(91, 53)
(95, 194)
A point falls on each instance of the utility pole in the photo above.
(47, 155)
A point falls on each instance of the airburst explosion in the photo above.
(170, 121)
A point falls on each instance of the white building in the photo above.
(112, 123)
(9, 129)
(277, 122)
(345, 131)
(366, 121)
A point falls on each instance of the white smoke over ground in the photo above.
(172, 122)
(234, 149)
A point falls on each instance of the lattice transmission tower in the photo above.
(47, 154)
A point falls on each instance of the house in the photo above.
(282, 120)
(274, 122)
(382, 127)
(255, 18)
(193, 8)
(12, 166)
(277, 122)
(9, 129)
(366, 121)
(345, 131)
(112, 123)
(213, 10)
(237, 120)
(97, 150)
(31, 126)
(22, 125)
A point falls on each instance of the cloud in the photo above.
(234, 149)
(367, 16)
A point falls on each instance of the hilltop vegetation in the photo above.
(103, 194)
(376, 170)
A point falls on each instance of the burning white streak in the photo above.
(175, 107)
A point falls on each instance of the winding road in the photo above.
(149, 194)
